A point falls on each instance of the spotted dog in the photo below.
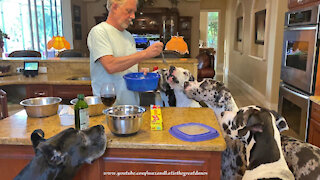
(166, 92)
(213, 93)
(219, 99)
(176, 78)
(60, 156)
(302, 158)
(256, 128)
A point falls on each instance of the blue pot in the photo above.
(141, 83)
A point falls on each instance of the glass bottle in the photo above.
(81, 113)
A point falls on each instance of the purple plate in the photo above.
(206, 134)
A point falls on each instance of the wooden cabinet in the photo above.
(314, 125)
(38, 90)
(13, 158)
(185, 30)
(64, 91)
(293, 4)
(71, 91)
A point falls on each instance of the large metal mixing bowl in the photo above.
(41, 106)
(124, 120)
(95, 105)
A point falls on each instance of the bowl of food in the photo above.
(124, 120)
(140, 82)
(95, 105)
(41, 106)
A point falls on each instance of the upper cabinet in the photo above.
(293, 4)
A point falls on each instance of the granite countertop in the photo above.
(315, 99)
(16, 79)
(16, 130)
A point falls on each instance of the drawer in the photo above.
(71, 91)
(38, 90)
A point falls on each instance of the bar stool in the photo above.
(3, 104)
(25, 53)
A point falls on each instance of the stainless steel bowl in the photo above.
(95, 105)
(124, 120)
(41, 106)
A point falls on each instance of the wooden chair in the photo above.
(25, 53)
(206, 64)
(3, 104)
(70, 53)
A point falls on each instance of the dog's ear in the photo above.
(53, 156)
(191, 77)
(37, 136)
(281, 123)
(254, 124)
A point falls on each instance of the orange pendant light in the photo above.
(176, 43)
(58, 43)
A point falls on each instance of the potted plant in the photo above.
(2, 36)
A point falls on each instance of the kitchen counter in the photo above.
(16, 130)
(315, 99)
(147, 151)
(55, 79)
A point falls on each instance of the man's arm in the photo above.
(118, 64)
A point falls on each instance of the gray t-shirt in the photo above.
(104, 39)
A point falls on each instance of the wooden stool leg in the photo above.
(4, 106)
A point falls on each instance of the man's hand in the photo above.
(154, 50)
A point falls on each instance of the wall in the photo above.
(185, 9)
(261, 75)
(203, 25)
(220, 6)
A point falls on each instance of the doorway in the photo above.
(209, 28)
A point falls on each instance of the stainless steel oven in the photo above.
(298, 68)
(294, 107)
(299, 48)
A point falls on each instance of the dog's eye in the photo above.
(185, 73)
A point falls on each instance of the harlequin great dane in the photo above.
(60, 156)
(301, 157)
(176, 78)
(256, 128)
(166, 92)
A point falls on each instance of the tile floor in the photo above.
(241, 96)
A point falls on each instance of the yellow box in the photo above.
(156, 118)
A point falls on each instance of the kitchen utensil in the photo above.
(41, 106)
(193, 132)
(95, 105)
(124, 120)
(140, 82)
(163, 59)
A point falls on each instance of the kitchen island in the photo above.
(152, 151)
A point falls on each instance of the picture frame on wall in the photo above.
(260, 24)
(239, 28)
(76, 13)
(77, 32)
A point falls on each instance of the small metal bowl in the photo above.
(94, 103)
(41, 106)
(124, 120)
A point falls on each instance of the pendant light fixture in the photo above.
(58, 42)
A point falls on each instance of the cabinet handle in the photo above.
(39, 93)
(300, 1)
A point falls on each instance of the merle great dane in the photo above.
(256, 128)
(60, 156)
(302, 158)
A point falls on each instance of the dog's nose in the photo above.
(186, 84)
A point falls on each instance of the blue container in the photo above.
(141, 83)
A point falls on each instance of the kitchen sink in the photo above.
(84, 78)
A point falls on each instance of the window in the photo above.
(30, 24)
(212, 37)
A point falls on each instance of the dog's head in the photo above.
(163, 84)
(208, 90)
(177, 77)
(70, 148)
(250, 120)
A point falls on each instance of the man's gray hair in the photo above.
(110, 2)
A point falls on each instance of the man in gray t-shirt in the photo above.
(113, 51)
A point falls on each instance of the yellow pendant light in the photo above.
(58, 43)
